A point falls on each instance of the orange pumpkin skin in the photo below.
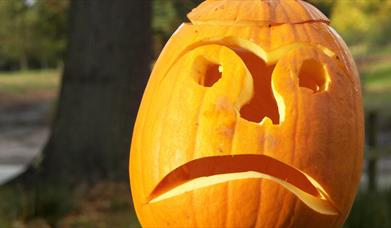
(307, 113)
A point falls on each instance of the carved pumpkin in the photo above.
(252, 117)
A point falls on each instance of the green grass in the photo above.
(377, 87)
(50, 203)
(376, 76)
(363, 50)
(382, 51)
(26, 82)
(370, 210)
(108, 204)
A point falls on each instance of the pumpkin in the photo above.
(252, 117)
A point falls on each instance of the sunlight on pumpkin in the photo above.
(280, 102)
(210, 171)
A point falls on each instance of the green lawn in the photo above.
(27, 82)
(377, 87)
(106, 204)
(375, 76)
(370, 210)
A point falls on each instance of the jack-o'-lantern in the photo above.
(252, 117)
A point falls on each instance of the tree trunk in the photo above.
(106, 68)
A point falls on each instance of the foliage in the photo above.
(16, 30)
(32, 34)
(51, 28)
(35, 34)
(167, 16)
(326, 6)
(371, 210)
(50, 203)
(363, 21)
(104, 205)
(377, 87)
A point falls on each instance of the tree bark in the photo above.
(105, 72)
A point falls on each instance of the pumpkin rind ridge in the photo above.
(258, 12)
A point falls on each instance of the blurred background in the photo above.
(71, 78)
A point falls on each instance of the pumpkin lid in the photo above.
(258, 12)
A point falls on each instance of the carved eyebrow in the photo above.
(231, 42)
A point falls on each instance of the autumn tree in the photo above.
(106, 68)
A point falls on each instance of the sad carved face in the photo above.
(249, 122)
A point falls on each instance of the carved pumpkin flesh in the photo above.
(252, 117)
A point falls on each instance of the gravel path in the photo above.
(24, 130)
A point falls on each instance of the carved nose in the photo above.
(263, 103)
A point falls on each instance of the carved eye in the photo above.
(210, 75)
(313, 76)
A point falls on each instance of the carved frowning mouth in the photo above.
(208, 171)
